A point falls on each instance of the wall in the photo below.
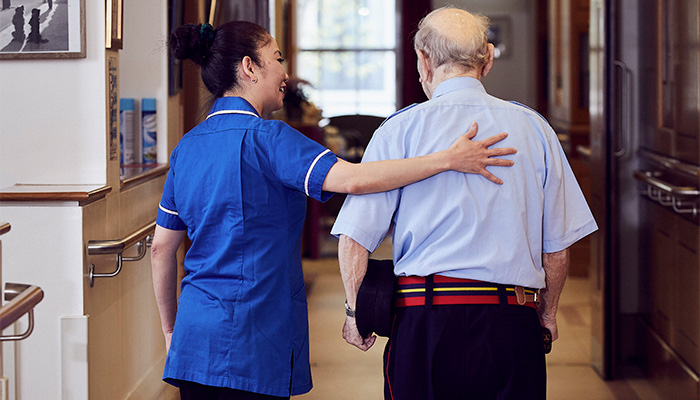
(103, 342)
(512, 77)
(53, 257)
(143, 67)
(52, 132)
(53, 115)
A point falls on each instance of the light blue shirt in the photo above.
(462, 225)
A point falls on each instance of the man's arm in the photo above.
(556, 268)
(353, 260)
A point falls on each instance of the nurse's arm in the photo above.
(464, 155)
(164, 270)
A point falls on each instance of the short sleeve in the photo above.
(366, 218)
(300, 162)
(566, 217)
(168, 216)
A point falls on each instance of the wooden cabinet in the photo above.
(672, 304)
(671, 66)
(669, 117)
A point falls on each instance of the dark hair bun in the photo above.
(219, 51)
(192, 42)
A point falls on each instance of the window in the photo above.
(347, 51)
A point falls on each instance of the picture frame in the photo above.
(53, 29)
(114, 24)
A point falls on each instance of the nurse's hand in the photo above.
(168, 337)
(472, 157)
(352, 335)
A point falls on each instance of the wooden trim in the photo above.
(83, 194)
(4, 228)
(147, 175)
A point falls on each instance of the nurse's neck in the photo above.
(247, 90)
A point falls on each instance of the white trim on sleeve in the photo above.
(167, 211)
(311, 168)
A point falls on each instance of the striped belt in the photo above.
(442, 290)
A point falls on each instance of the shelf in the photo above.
(82, 194)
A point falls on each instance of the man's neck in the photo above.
(442, 74)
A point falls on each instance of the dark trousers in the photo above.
(481, 352)
(195, 391)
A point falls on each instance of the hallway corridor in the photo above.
(342, 372)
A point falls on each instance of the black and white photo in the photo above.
(42, 29)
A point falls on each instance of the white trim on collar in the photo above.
(233, 112)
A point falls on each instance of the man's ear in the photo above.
(424, 66)
(487, 67)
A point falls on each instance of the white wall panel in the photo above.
(53, 114)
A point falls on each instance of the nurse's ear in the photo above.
(246, 70)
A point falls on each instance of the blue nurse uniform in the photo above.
(238, 185)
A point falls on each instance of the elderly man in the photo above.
(470, 256)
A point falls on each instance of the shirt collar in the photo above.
(232, 103)
(453, 84)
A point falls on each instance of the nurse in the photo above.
(237, 187)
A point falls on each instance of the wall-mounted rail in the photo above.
(683, 199)
(142, 238)
(22, 300)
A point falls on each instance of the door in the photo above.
(614, 272)
(599, 270)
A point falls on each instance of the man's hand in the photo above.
(352, 335)
(473, 157)
(551, 324)
(547, 318)
(556, 268)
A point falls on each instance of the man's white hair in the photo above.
(463, 43)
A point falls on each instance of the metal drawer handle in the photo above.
(141, 238)
(668, 194)
(22, 300)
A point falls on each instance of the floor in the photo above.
(341, 371)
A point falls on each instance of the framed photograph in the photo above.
(114, 26)
(43, 29)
